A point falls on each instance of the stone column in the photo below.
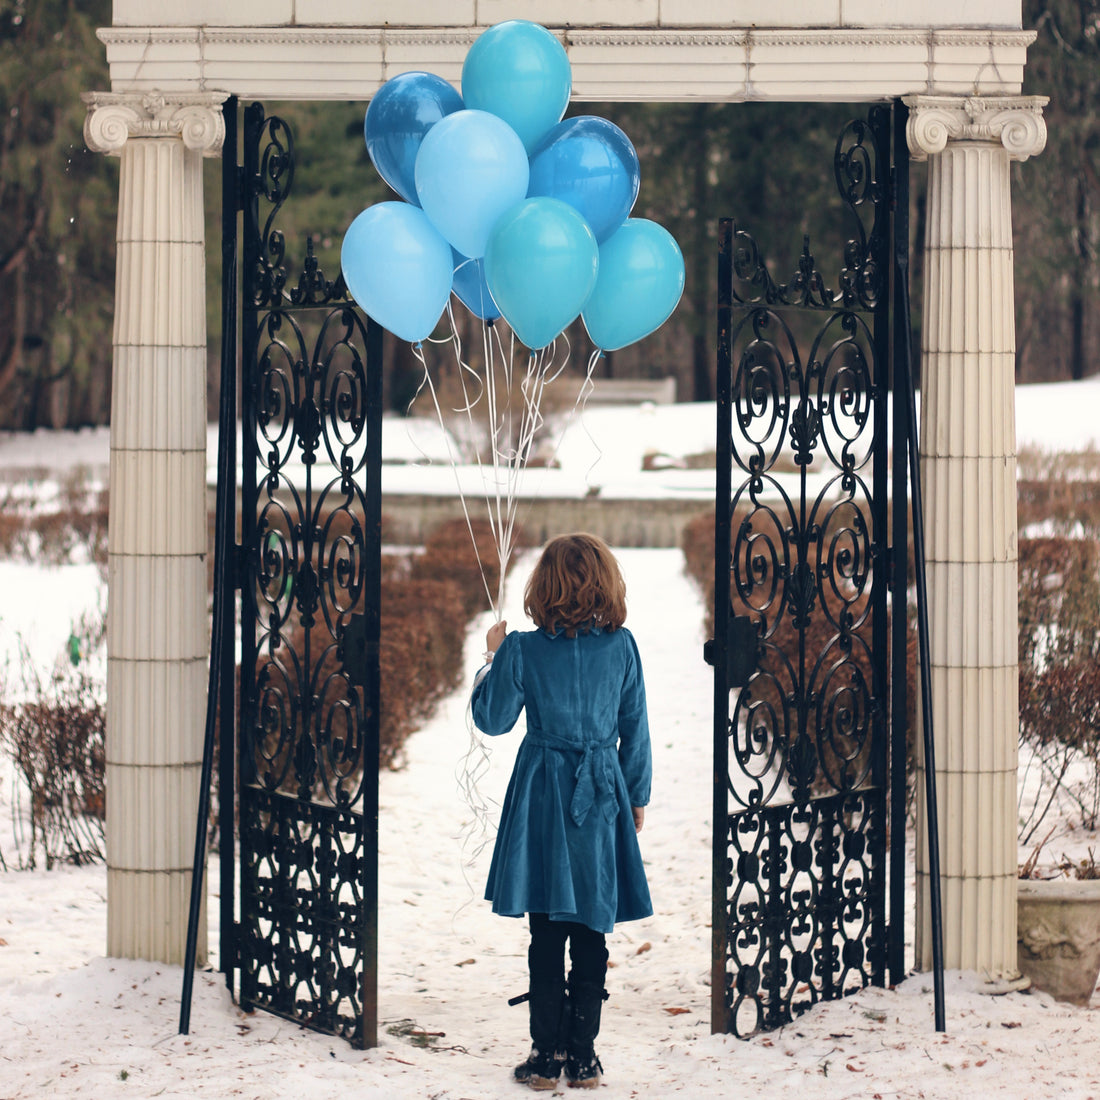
(157, 631)
(968, 470)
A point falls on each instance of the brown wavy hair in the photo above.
(576, 585)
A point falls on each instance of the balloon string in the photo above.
(477, 833)
(593, 359)
(427, 383)
(584, 391)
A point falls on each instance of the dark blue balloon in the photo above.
(590, 164)
(471, 288)
(403, 110)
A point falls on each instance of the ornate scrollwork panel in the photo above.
(302, 957)
(805, 881)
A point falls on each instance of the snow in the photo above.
(76, 1024)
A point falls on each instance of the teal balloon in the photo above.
(398, 268)
(471, 288)
(471, 167)
(519, 72)
(591, 164)
(401, 113)
(541, 264)
(640, 283)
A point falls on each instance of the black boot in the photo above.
(540, 1071)
(549, 1007)
(543, 1065)
(582, 1067)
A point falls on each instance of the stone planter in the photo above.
(1058, 936)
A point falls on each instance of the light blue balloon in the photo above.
(591, 164)
(520, 72)
(398, 268)
(471, 288)
(541, 265)
(640, 283)
(402, 111)
(470, 169)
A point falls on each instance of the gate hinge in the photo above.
(236, 565)
(741, 650)
(242, 193)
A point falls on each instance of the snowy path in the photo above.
(73, 1024)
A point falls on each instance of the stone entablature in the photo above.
(639, 62)
(568, 13)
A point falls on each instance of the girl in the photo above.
(566, 851)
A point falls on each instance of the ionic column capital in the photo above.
(1016, 122)
(113, 118)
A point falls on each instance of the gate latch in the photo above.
(355, 650)
(741, 650)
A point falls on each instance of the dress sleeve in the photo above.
(497, 697)
(635, 757)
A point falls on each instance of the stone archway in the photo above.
(962, 84)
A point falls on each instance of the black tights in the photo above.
(550, 1022)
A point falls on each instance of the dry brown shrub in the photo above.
(56, 739)
(1059, 657)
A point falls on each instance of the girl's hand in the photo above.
(495, 635)
(639, 817)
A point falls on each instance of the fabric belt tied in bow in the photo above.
(594, 775)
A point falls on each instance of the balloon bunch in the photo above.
(522, 215)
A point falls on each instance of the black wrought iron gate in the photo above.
(809, 679)
(308, 574)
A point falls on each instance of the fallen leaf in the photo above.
(3, 943)
(466, 962)
(854, 1069)
(677, 1011)
(647, 946)
(1010, 1023)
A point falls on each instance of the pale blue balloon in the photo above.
(640, 283)
(471, 288)
(470, 169)
(398, 268)
(541, 265)
(520, 72)
(591, 164)
(402, 111)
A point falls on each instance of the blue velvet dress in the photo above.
(566, 845)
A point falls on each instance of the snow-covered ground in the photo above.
(73, 1023)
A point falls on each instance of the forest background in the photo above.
(769, 165)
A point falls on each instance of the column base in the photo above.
(147, 915)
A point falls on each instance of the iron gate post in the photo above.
(309, 567)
